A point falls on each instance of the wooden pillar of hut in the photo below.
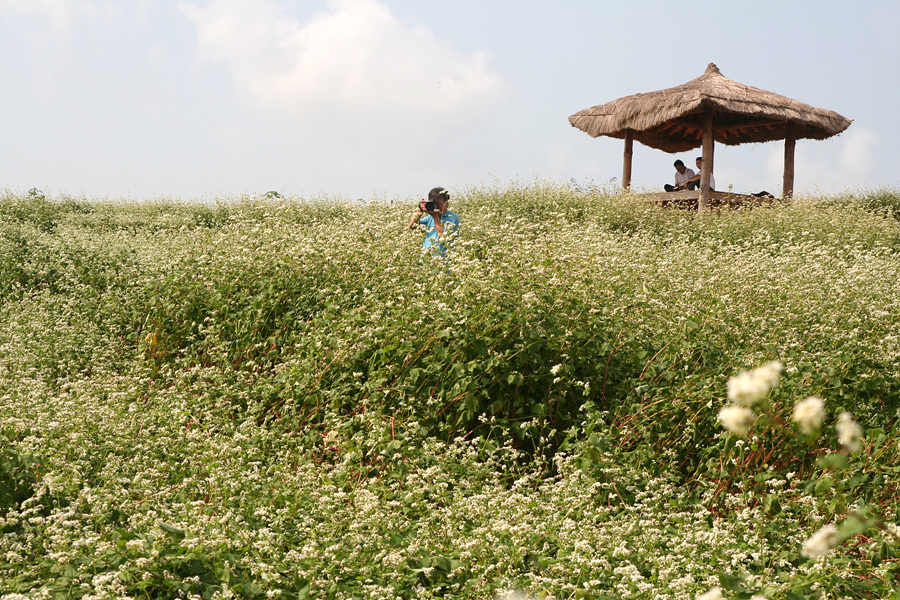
(626, 167)
(790, 141)
(708, 150)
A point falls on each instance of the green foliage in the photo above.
(151, 567)
(884, 201)
(18, 476)
(277, 396)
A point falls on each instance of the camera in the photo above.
(429, 206)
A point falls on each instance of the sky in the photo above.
(385, 99)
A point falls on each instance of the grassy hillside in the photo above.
(285, 398)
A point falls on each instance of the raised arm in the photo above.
(414, 221)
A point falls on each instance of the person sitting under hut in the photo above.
(695, 180)
(682, 174)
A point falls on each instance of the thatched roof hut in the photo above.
(707, 109)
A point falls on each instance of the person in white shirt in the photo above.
(682, 174)
(695, 180)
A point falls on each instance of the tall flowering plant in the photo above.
(853, 524)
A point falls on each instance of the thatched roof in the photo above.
(671, 119)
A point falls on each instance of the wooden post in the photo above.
(790, 141)
(626, 167)
(703, 203)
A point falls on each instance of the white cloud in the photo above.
(65, 16)
(58, 12)
(355, 56)
(352, 94)
(858, 157)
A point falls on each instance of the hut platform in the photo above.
(691, 198)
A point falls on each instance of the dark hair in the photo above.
(678, 163)
(438, 192)
(700, 158)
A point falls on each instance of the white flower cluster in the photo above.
(892, 532)
(750, 388)
(849, 432)
(713, 594)
(809, 414)
(821, 542)
(737, 419)
(746, 390)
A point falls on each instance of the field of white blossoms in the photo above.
(591, 397)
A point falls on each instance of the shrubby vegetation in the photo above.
(270, 397)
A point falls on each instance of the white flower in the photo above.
(737, 419)
(849, 432)
(821, 542)
(749, 387)
(555, 369)
(713, 594)
(809, 414)
(892, 532)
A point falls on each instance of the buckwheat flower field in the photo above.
(589, 397)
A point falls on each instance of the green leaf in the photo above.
(732, 583)
(823, 485)
(835, 460)
(176, 533)
(303, 593)
(854, 525)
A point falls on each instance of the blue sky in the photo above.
(389, 98)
